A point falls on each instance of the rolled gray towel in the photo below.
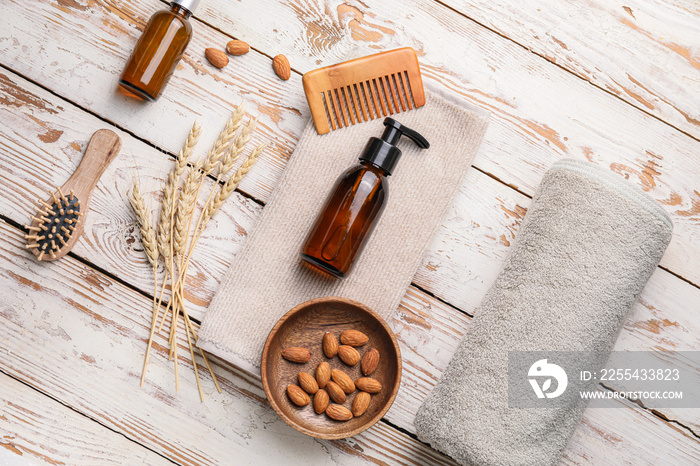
(586, 248)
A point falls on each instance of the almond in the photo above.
(330, 345)
(335, 392)
(281, 66)
(237, 47)
(339, 413)
(308, 383)
(348, 355)
(353, 338)
(216, 57)
(323, 374)
(368, 385)
(321, 401)
(298, 396)
(360, 403)
(370, 361)
(296, 354)
(343, 380)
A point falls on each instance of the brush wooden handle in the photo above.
(103, 147)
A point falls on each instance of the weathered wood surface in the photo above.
(40, 430)
(429, 330)
(646, 52)
(540, 111)
(73, 333)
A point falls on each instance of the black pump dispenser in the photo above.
(383, 152)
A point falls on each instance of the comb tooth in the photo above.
(368, 105)
(65, 230)
(41, 255)
(406, 94)
(30, 237)
(40, 220)
(384, 95)
(326, 107)
(377, 101)
(63, 242)
(388, 95)
(43, 227)
(33, 228)
(398, 92)
(353, 105)
(338, 121)
(361, 106)
(341, 106)
(346, 104)
(372, 98)
(31, 246)
(55, 199)
(54, 245)
(355, 102)
(410, 89)
(53, 255)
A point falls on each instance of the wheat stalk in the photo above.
(230, 186)
(148, 241)
(222, 142)
(215, 203)
(170, 190)
(176, 216)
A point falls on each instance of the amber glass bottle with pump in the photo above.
(159, 50)
(355, 203)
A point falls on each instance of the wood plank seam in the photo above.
(573, 73)
(655, 412)
(35, 389)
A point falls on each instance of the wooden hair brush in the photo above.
(60, 219)
(364, 89)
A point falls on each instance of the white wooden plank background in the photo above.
(540, 112)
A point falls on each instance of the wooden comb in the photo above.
(60, 219)
(364, 89)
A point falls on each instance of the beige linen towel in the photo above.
(267, 278)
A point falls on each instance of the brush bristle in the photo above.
(54, 224)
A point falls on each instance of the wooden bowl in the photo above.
(305, 326)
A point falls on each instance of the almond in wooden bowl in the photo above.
(304, 327)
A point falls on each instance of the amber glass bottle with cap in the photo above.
(356, 202)
(159, 50)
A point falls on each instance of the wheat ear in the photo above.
(212, 207)
(150, 248)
